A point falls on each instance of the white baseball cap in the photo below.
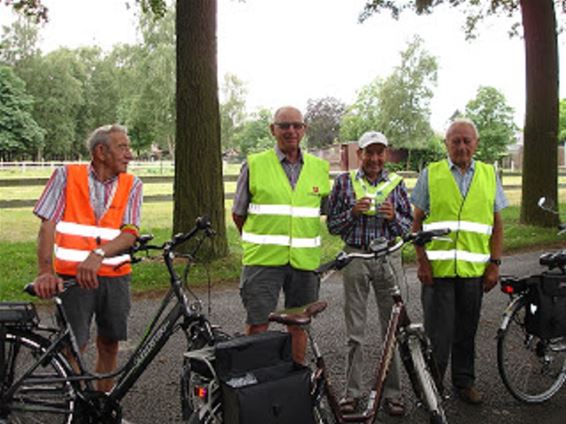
(371, 137)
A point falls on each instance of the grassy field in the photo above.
(18, 232)
(19, 229)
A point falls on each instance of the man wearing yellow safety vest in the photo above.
(365, 204)
(89, 214)
(466, 196)
(277, 211)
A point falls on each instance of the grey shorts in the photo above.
(260, 287)
(109, 304)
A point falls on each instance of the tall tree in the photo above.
(198, 187)
(494, 120)
(363, 114)
(254, 134)
(150, 113)
(562, 122)
(20, 135)
(323, 117)
(232, 109)
(405, 98)
(540, 166)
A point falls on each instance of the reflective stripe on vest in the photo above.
(377, 193)
(296, 211)
(470, 219)
(79, 232)
(283, 224)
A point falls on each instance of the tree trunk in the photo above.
(198, 187)
(540, 154)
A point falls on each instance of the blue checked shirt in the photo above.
(360, 231)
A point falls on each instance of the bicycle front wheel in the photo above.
(428, 391)
(41, 397)
(532, 369)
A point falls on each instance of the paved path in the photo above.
(155, 398)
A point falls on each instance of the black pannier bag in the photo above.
(546, 306)
(261, 383)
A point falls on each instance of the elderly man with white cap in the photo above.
(365, 204)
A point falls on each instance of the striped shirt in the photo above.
(51, 204)
(359, 231)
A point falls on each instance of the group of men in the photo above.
(90, 213)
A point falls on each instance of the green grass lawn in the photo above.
(18, 231)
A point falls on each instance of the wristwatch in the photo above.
(495, 261)
(99, 252)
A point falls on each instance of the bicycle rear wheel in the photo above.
(532, 369)
(428, 392)
(38, 399)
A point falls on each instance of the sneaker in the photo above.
(394, 407)
(470, 395)
(348, 405)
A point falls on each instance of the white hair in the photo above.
(466, 121)
(101, 135)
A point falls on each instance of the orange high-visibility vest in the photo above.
(78, 233)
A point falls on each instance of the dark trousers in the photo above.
(451, 315)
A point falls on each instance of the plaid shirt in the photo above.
(360, 231)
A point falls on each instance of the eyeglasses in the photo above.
(287, 125)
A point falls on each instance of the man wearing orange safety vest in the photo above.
(89, 215)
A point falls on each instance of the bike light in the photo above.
(201, 392)
(507, 289)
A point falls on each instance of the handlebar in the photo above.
(380, 247)
(142, 245)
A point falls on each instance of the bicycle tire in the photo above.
(34, 402)
(529, 368)
(429, 394)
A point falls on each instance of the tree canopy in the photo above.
(494, 120)
(19, 133)
(323, 117)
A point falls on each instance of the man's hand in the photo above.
(362, 205)
(387, 211)
(87, 270)
(490, 277)
(424, 272)
(47, 285)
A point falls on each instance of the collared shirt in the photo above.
(242, 196)
(51, 204)
(359, 231)
(420, 196)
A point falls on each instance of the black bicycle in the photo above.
(531, 340)
(38, 383)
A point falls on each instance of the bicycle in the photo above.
(531, 355)
(414, 346)
(37, 381)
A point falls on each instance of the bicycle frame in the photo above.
(400, 332)
(398, 322)
(156, 336)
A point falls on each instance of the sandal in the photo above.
(348, 405)
(394, 407)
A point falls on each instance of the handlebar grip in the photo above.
(324, 268)
(30, 289)
(203, 222)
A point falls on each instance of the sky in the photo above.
(289, 51)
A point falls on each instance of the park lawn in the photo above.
(18, 261)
